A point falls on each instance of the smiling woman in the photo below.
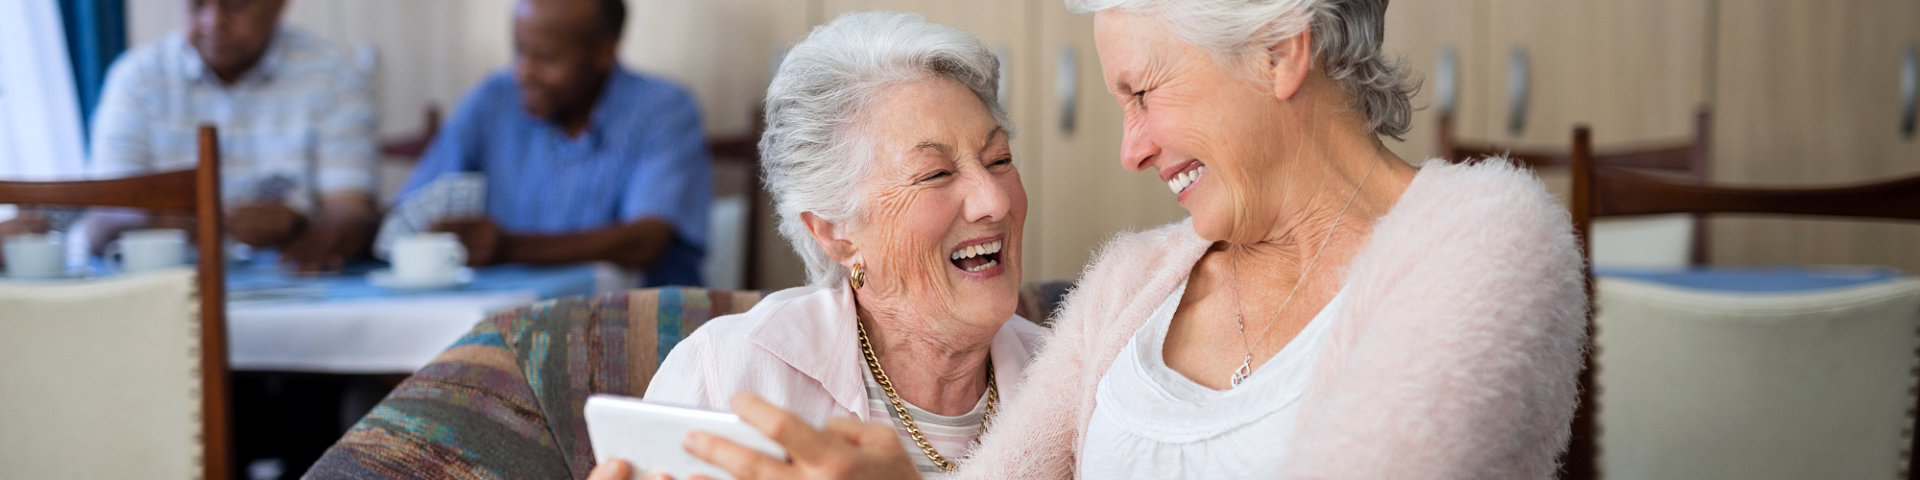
(1328, 311)
(887, 153)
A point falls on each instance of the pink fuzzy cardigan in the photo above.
(1456, 356)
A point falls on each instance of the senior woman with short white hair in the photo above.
(886, 151)
(1329, 311)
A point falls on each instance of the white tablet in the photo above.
(649, 436)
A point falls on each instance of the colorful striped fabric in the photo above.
(505, 400)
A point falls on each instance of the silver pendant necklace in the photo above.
(1246, 363)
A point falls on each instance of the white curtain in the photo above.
(39, 113)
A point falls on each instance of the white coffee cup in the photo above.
(428, 257)
(150, 249)
(35, 255)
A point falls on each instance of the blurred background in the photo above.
(1760, 92)
(1799, 91)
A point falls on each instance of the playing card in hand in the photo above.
(451, 196)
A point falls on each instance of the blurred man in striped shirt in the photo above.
(296, 121)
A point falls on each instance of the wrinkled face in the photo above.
(559, 55)
(944, 208)
(1213, 136)
(232, 35)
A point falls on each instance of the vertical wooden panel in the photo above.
(1085, 197)
(722, 50)
(1808, 92)
(1635, 70)
(1417, 32)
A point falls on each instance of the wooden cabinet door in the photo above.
(1809, 92)
(1441, 40)
(1634, 70)
(1081, 195)
(721, 50)
(1005, 26)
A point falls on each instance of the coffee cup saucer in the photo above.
(385, 278)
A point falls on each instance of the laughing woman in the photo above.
(887, 155)
(1329, 311)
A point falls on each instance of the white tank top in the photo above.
(1151, 422)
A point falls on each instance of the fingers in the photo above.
(615, 469)
(33, 222)
(801, 440)
(322, 262)
(742, 462)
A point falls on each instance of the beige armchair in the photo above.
(101, 378)
(1752, 385)
(49, 376)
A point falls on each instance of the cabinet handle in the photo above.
(1446, 79)
(1000, 53)
(1909, 91)
(1517, 87)
(1066, 86)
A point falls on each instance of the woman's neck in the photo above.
(1338, 183)
(1326, 207)
(939, 370)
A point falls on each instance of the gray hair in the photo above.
(814, 152)
(1347, 35)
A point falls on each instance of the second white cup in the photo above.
(34, 256)
(150, 249)
(428, 257)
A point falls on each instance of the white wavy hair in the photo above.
(1347, 35)
(815, 152)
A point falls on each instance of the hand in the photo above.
(323, 249)
(172, 220)
(615, 469)
(265, 224)
(847, 449)
(26, 222)
(481, 237)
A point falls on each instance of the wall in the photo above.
(433, 51)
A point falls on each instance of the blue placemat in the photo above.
(1782, 278)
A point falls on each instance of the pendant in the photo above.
(1240, 374)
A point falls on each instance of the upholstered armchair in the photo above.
(505, 400)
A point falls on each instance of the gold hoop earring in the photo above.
(858, 278)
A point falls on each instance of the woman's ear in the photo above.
(1288, 62)
(831, 238)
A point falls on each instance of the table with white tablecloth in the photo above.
(339, 323)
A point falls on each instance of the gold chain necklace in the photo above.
(900, 407)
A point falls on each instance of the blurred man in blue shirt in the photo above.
(584, 160)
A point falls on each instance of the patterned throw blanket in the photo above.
(505, 400)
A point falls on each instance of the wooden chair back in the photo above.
(1602, 190)
(1691, 160)
(409, 147)
(195, 191)
(736, 160)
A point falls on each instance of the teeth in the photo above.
(1182, 181)
(984, 266)
(975, 250)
